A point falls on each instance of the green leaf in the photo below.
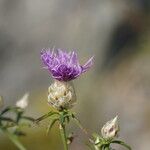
(106, 147)
(19, 116)
(79, 125)
(28, 118)
(95, 135)
(5, 110)
(14, 139)
(62, 119)
(10, 109)
(51, 125)
(51, 113)
(7, 119)
(122, 143)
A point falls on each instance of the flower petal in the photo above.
(87, 65)
(63, 65)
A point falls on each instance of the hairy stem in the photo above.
(63, 136)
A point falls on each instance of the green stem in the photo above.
(107, 148)
(63, 136)
(14, 139)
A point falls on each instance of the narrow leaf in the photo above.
(14, 139)
(79, 125)
(7, 119)
(45, 116)
(122, 143)
(28, 118)
(51, 125)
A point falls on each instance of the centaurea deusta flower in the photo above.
(63, 65)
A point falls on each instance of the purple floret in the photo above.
(64, 66)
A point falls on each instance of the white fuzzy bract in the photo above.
(110, 129)
(23, 102)
(61, 95)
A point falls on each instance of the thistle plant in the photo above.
(11, 126)
(63, 67)
(109, 133)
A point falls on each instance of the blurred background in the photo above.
(116, 32)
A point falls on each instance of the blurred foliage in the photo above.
(116, 32)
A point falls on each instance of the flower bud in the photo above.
(23, 102)
(61, 95)
(110, 129)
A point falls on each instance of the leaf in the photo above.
(45, 116)
(106, 147)
(51, 125)
(7, 119)
(62, 119)
(28, 118)
(122, 143)
(5, 110)
(19, 115)
(95, 135)
(14, 139)
(79, 125)
(9, 109)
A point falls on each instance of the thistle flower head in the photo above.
(110, 129)
(23, 102)
(64, 66)
(61, 95)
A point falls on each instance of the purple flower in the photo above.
(64, 66)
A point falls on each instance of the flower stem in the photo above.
(63, 136)
(14, 139)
